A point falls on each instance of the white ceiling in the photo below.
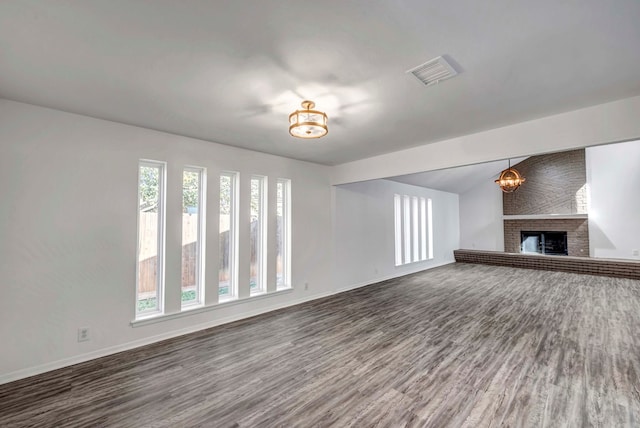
(231, 71)
(458, 180)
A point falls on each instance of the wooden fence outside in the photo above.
(148, 267)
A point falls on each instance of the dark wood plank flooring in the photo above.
(461, 345)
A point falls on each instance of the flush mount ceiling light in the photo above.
(510, 179)
(308, 123)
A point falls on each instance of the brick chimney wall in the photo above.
(556, 184)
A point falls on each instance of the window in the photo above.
(193, 205)
(227, 274)
(150, 257)
(415, 237)
(151, 268)
(257, 274)
(283, 233)
(406, 227)
(423, 228)
(430, 228)
(413, 229)
(397, 212)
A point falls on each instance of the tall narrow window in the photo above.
(414, 228)
(406, 227)
(227, 274)
(430, 227)
(257, 274)
(423, 229)
(283, 233)
(151, 212)
(397, 218)
(192, 236)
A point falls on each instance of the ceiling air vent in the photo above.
(433, 71)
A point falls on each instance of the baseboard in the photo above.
(77, 359)
(66, 362)
(392, 276)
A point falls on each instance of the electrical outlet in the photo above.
(306, 285)
(635, 252)
(83, 334)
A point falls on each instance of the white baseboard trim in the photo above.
(392, 276)
(66, 362)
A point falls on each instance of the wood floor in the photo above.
(461, 345)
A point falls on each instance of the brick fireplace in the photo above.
(553, 199)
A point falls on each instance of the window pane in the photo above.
(150, 237)
(192, 216)
(430, 227)
(227, 231)
(414, 227)
(423, 229)
(406, 227)
(256, 274)
(397, 218)
(283, 233)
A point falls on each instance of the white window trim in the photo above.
(430, 227)
(261, 275)
(423, 229)
(415, 238)
(397, 217)
(233, 237)
(406, 228)
(286, 233)
(156, 318)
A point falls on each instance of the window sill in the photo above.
(153, 319)
(414, 263)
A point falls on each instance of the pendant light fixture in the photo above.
(308, 123)
(510, 179)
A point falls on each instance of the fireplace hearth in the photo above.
(536, 242)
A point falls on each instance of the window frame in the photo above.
(286, 233)
(233, 235)
(261, 237)
(201, 237)
(397, 220)
(160, 240)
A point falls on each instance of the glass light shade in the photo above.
(308, 123)
(510, 179)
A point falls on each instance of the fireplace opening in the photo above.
(552, 243)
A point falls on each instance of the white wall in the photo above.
(364, 231)
(604, 123)
(68, 234)
(481, 224)
(613, 177)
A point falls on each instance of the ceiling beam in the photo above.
(611, 122)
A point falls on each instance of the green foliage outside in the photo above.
(149, 179)
(150, 303)
(190, 185)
